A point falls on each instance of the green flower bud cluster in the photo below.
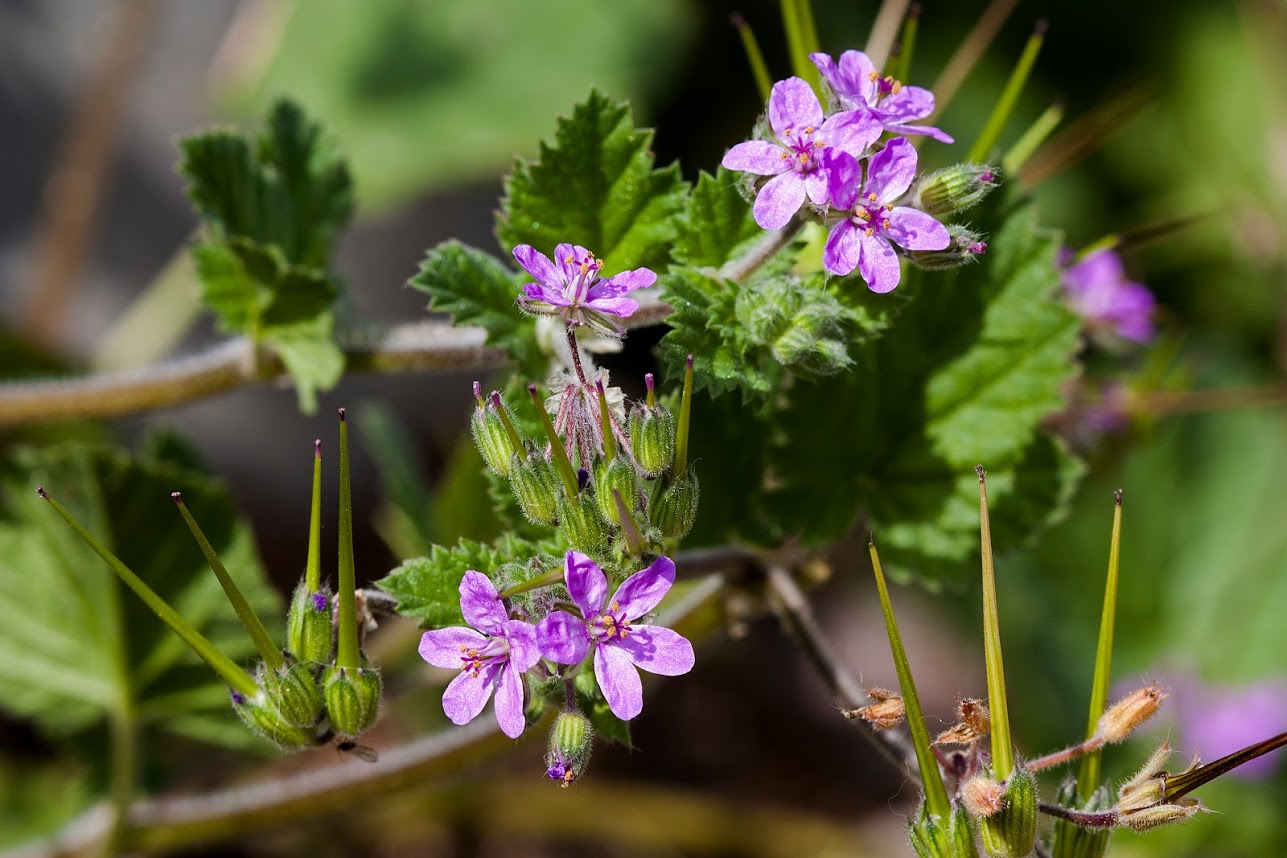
(933, 837)
(571, 739)
(613, 481)
(795, 324)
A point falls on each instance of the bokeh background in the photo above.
(1181, 108)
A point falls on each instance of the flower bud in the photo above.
(309, 633)
(619, 475)
(933, 837)
(580, 522)
(262, 716)
(965, 247)
(352, 699)
(1125, 715)
(954, 189)
(1012, 831)
(1069, 840)
(652, 438)
(537, 488)
(492, 437)
(295, 692)
(675, 509)
(571, 738)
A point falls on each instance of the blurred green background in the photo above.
(432, 101)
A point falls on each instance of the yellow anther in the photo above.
(872, 197)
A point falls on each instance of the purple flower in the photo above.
(494, 656)
(570, 287)
(608, 626)
(872, 223)
(795, 159)
(858, 86)
(1216, 720)
(1098, 291)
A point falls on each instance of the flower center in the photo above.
(884, 86)
(610, 625)
(871, 216)
(472, 659)
(577, 289)
(804, 149)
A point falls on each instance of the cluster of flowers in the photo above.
(816, 156)
(495, 650)
(617, 487)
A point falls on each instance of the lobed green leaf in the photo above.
(595, 186)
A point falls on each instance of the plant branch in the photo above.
(797, 617)
(171, 822)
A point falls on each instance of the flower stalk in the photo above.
(1089, 773)
(313, 568)
(561, 461)
(1009, 96)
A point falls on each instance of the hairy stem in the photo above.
(801, 625)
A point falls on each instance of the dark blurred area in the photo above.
(407, 91)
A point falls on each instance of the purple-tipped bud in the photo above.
(262, 716)
(478, 393)
(295, 693)
(652, 438)
(40, 490)
(310, 635)
(964, 247)
(580, 522)
(618, 475)
(954, 189)
(492, 428)
(571, 739)
(177, 497)
(675, 510)
(648, 381)
(536, 487)
(342, 412)
(317, 448)
(352, 699)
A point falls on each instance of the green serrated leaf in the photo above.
(289, 188)
(476, 288)
(312, 358)
(595, 186)
(63, 615)
(717, 222)
(428, 588)
(991, 348)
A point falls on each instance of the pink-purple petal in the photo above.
(622, 307)
(844, 178)
(910, 102)
(926, 131)
(537, 264)
(793, 105)
(891, 170)
(480, 604)
(587, 585)
(523, 651)
(878, 263)
(915, 230)
(537, 292)
(467, 694)
(563, 638)
(442, 647)
(757, 156)
(658, 650)
(626, 281)
(854, 77)
(779, 199)
(509, 701)
(842, 251)
(815, 187)
(852, 131)
(641, 592)
(618, 680)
